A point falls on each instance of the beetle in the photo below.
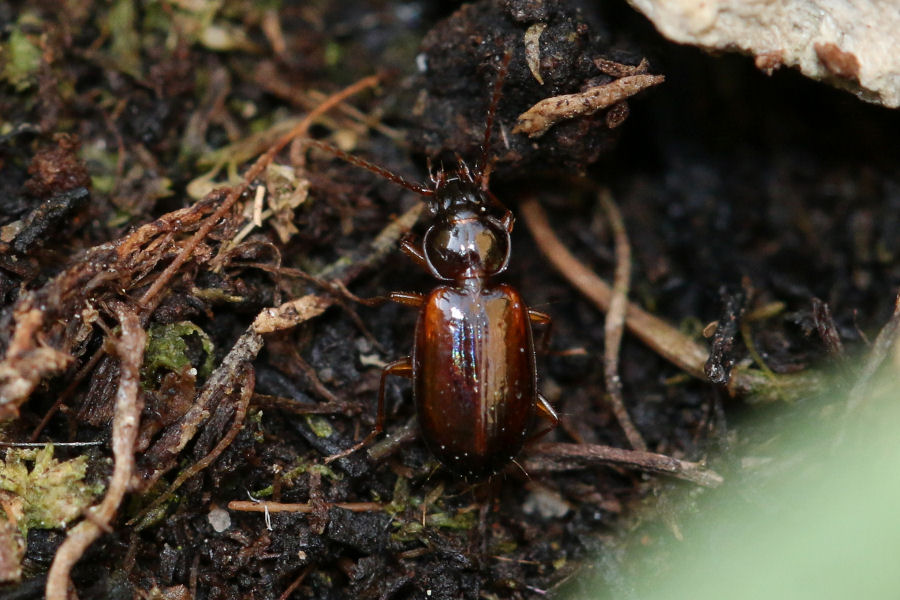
(473, 360)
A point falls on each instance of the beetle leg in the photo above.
(414, 250)
(539, 318)
(409, 299)
(402, 368)
(508, 221)
(546, 411)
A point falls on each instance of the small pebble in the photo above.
(219, 519)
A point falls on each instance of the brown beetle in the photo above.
(473, 360)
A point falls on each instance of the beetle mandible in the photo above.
(473, 361)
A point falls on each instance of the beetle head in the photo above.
(467, 239)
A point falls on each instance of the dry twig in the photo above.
(290, 313)
(392, 442)
(614, 325)
(827, 329)
(163, 454)
(564, 457)
(26, 361)
(240, 414)
(152, 297)
(130, 348)
(660, 336)
(53, 321)
(296, 583)
(721, 355)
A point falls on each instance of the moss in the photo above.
(50, 494)
(126, 43)
(167, 348)
(21, 60)
(320, 426)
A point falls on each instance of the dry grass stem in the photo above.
(302, 507)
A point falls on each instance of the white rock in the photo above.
(854, 44)
(219, 519)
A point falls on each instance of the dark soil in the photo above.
(739, 190)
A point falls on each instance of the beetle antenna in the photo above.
(521, 468)
(360, 162)
(485, 171)
(465, 169)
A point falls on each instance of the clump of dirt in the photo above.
(463, 57)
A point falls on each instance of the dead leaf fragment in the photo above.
(533, 49)
(618, 70)
(548, 112)
(290, 314)
(12, 551)
(20, 374)
(287, 191)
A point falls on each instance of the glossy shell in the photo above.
(466, 246)
(474, 376)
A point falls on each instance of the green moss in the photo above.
(21, 60)
(167, 348)
(401, 500)
(319, 425)
(290, 477)
(125, 50)
(462, 521)
(503, 548)
(264, 492)
(50, 494)
(333, 53)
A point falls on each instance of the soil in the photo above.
(768, 203)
